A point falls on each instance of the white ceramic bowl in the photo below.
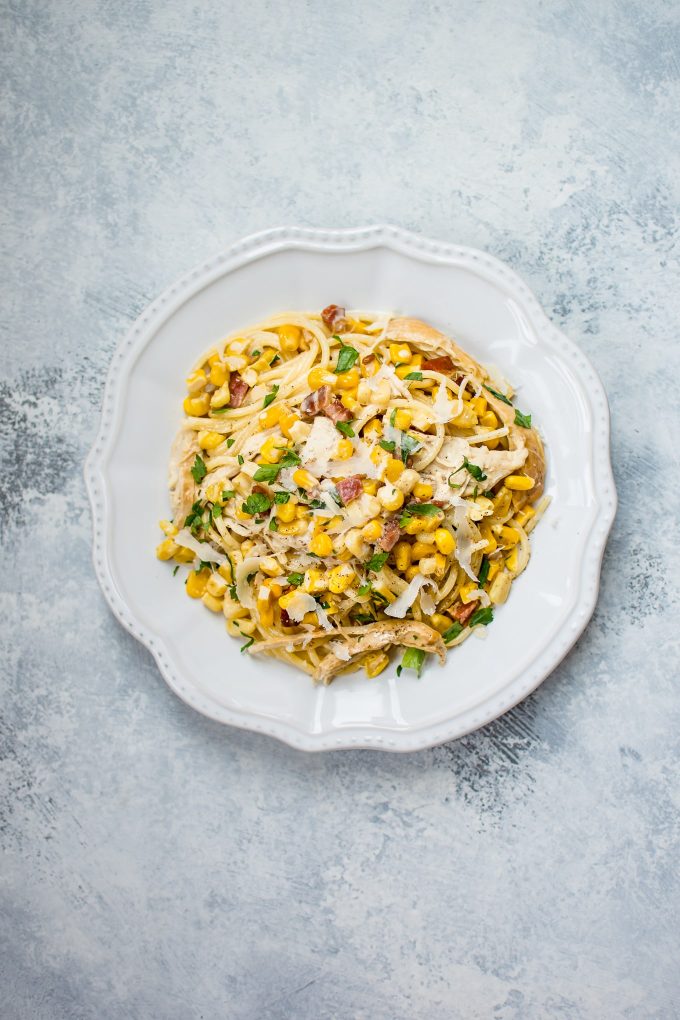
(493, 315)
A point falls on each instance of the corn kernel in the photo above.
(247, 627)
(522, 516)
(372, 531)
(466, 591)
(478, 405)
(402, 419)
(212, 603)
(315, 581)
(197, 583)
(375, 663)
(197, 406)
(220, 397)
(233, 628)
(499, 590)
(488, 420)
(286, 419)
(518, 483)
(270, 451)
(219, 373)
(369, 367)
(184, 555)
(340, 578)
(319, 377)
(370, 486)
(440, 622)
(321, 545)
(272, 416)
(304, 480)
(444, 541)
(301, 512)
(266, 614)
(169, 529)
(390, 497)
(494, 567)
(490, 538)
(466, 419)
(216, 586)
(224, 570)
(355, 544)
(373, 428)
(423, 490)
(196, 382)
(294, 528)
(348, 400)
(512, 561)
(210, 440)
(407, 480)
(166, 549)
(236, 346)
(420, 549)
(412, 572)
(394, 469)
(420, 525)
(344, 449)
(427, 565)
(402, 556)
(510, 536)
(400, 353)
(289, 337)
(286, 512)
(348, 380)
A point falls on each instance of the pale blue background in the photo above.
(157, 865)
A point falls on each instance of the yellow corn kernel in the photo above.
(236, 346)
(293, 528)
(197, 583)
(304, 480)
(400, 353)
(269, 566)
(512, 561)
(184, 555)
(219, 373)
(210, 440)
(420, 549)
(334, 522)
(315, 581)
(197, 406)
(402, 556)
(287, 420)
(319, 377)
(440, 622)
(412, 572)
(518, 483)
(355, 544)
(501, 503)
(494, 567)
(439, 565)
(213, 604)
(407, 480)
(369, 368)
(285, 600)
(224, 570)
(272, 416)
(169, 529)
(375, 663)
(510, 536)
(466, 419)
(340, 578)
(380, 457)
(422, 490)
(166, 549)
(522, 516)
(331, 605)
(269, 452)
(247, 627)
(286, 512)
(265, 611)
(264, 360)
(321, 545)
(427, 565)
(370, 486)
(420, 525)
(233, 628)
(373, 428)
(302, 513)
(490, 538)
(466, 592)
(289, 337)
(348, 380)
(479, 405)
(402, 419)
(499, 590)
(348, 400)
(216, 586)
(488, 420)
(372, 531)
(383, 590)
(444, 541)
(196, 382)
(394, 469)
(344, 449)
(390, 497)
(220, 397)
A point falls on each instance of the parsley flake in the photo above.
(199, 470)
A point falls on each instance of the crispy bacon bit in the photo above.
(368, 360)
(285, 619)
(441, 503)
(337, 411)
(237, 390)
(335, 319)
(390, 534)
(316, 401)
(349, 488)
(463, 613)
(443, 364)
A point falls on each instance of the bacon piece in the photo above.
(316, 401)
(285, 619)
(237, 390)
(368, 360)
(349, 488)
(335, 319)
(463, 613)
(390, 534)
(337, 411)
(443, 364)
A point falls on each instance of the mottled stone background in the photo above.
(156, 865)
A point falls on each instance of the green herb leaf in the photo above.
(473, 470)
(421, 510)
(281, 497)
(255, 354)
(267, 473)
(248, 643)
(232, 592)
(256, 503)
(387, 445)
(346, 358)
(363, 618)
(228, 494)
(414, 377)
(199, 470)
(414, 658)
(365, 588)
(393, 417)
(175, 570)
(290, 457)
(524, 420)
(409, 445)
(399, 669)
(453, 632)
(220, 410)
(497, 395)
(240, 459)
(230, 443)
(483, 572)
(345, 428)
(216, 511)
(273, 524)
(274, 360)
(270, 396)
(483, 616)
(296, 579)
(377, 561)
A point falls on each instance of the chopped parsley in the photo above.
(240, 459)
(256, 503)
(482, 616)
(346, 429)
(228, 494)
(248, 643)
(377, 562)
(216, 511)
(175, 570)
(483, 572)
(290, 457)
(199, 470)
(255, 354)
(414, 658)
(296, 579)
(393, 417)
(497, 395)
(232, 593)
(230, 443)
(281, 497)
(524, 420)
(387, 445)
(472, 469)
(273, 524)
(364, 618)
(220, 410)
(365, 588)
(270, 396)
(418, 510)
(346, 358)
(274, 360)
(454, 630)
(414, 377)
(267, 473)
(409, 445)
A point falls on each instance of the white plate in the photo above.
(493, 315)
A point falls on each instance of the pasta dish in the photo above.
(346, 483)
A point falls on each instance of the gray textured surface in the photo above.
(157, 865)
